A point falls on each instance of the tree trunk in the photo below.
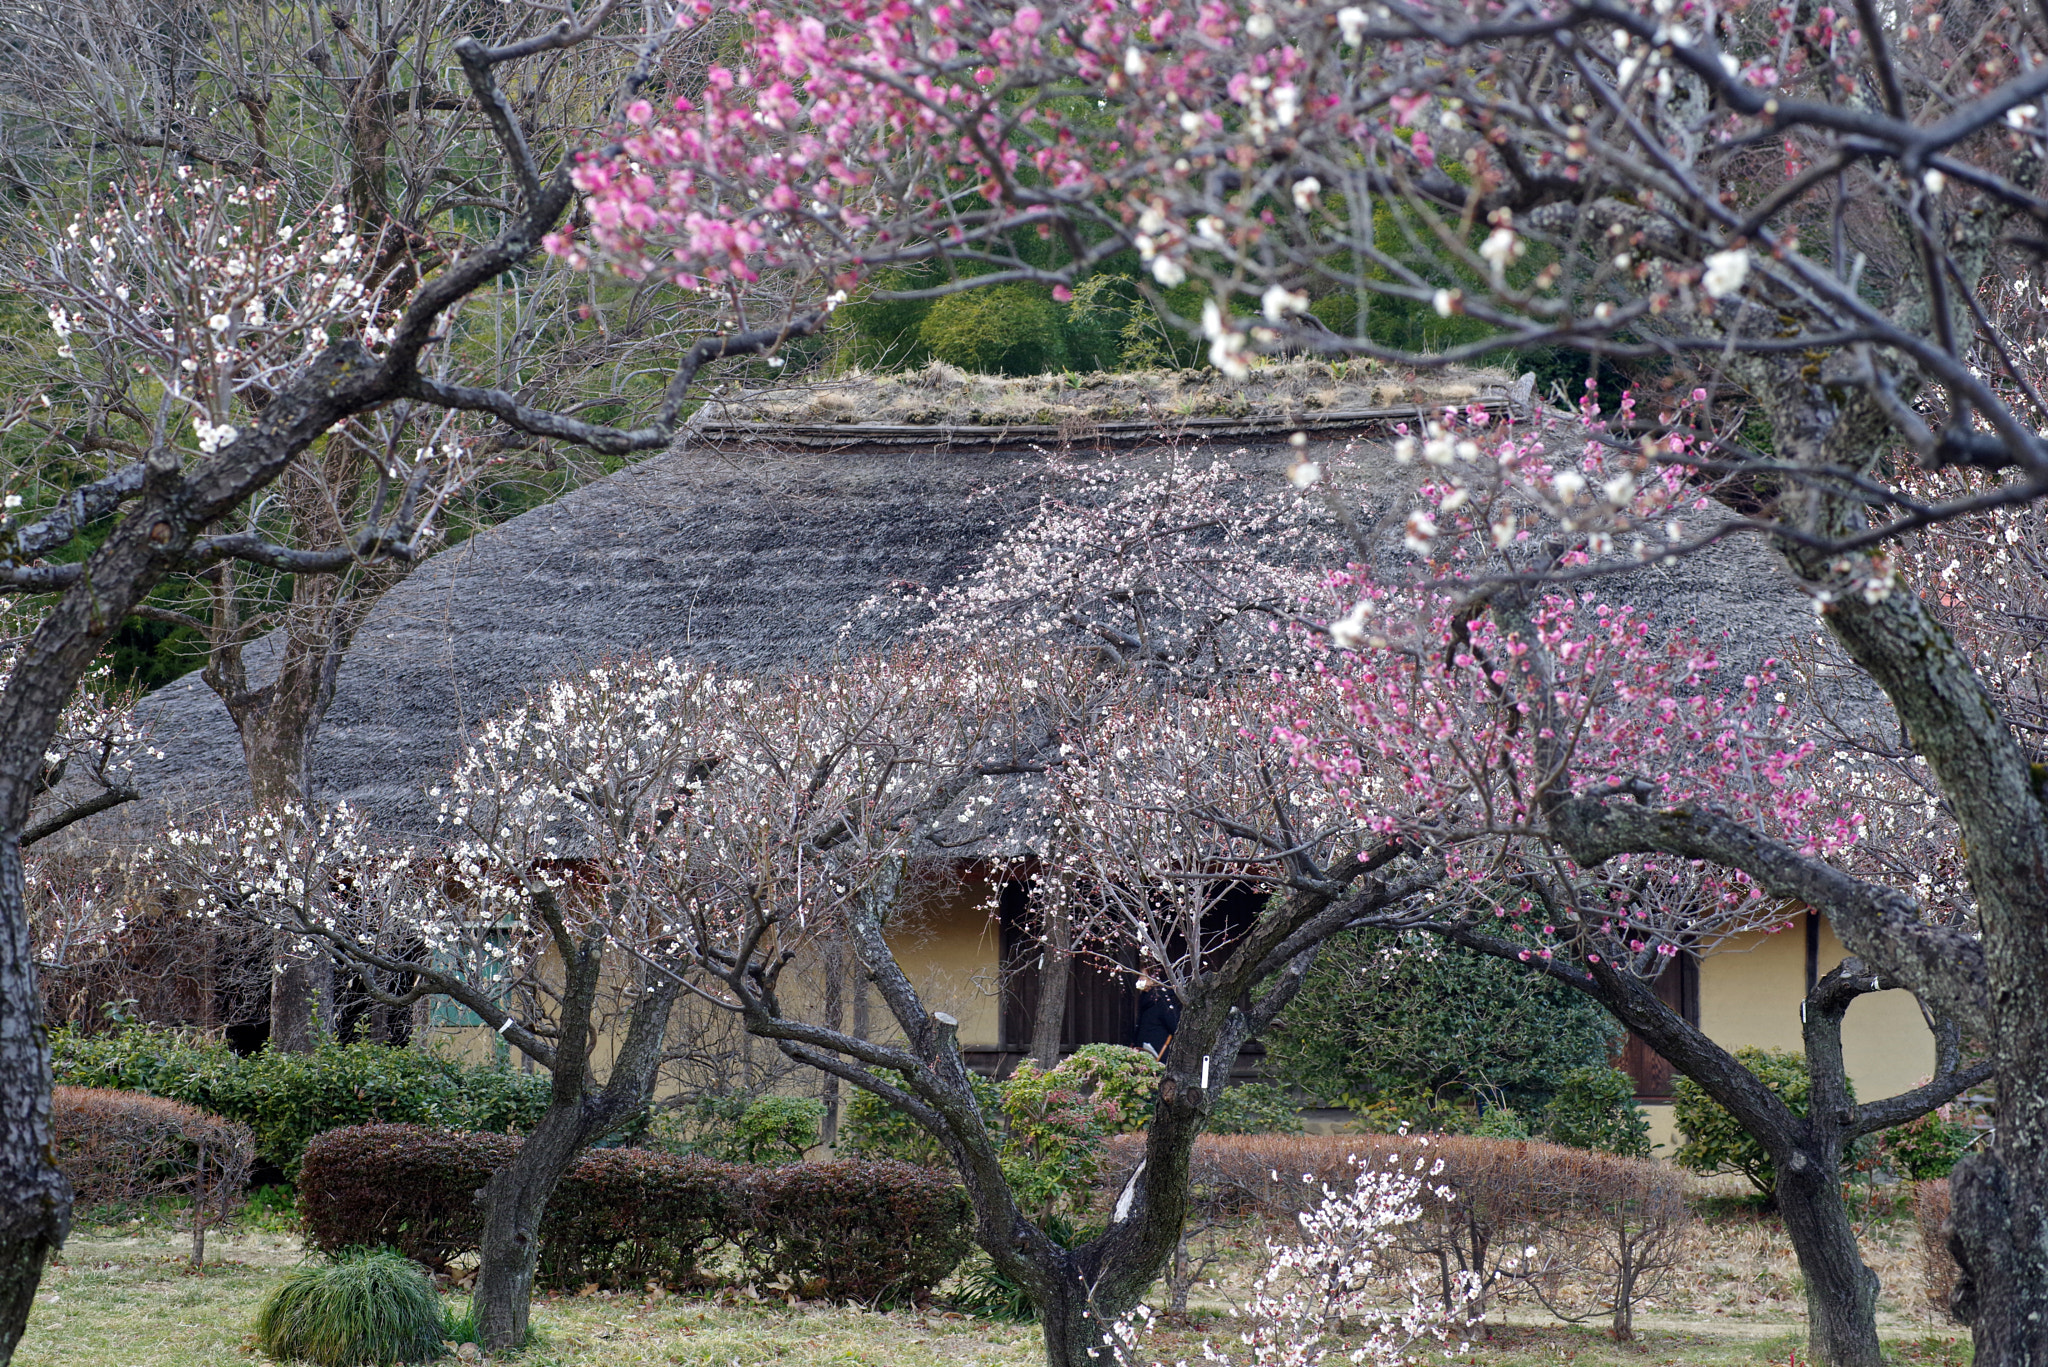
(1055, 974)
(301, 995)
(836, 960)
(1073, 1331)
(514, 1201)
(1841, 1292)
(35, 1198)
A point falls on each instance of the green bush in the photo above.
(739, 1129)
(287, 1099)
(1714, 1141)
(1595, 1108)
(368, 1306)
(1002, 330)
(1055, 1122)
(884, 332)
(871, 1128)
(778, 1129)
(1923, 1150)
(1254, 1108)
(1387, 1016)
(1500, 1122)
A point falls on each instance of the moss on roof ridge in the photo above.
(939, 394)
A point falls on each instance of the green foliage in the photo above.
(739, 1129)
(368, 1306)
(1254, 1108)
(1923, 1150)
(870, 1127)
(1407, 1019)
(1500, 1122)
(287, 1099)
(1052, 1122)
(1714, 1140)
(1002, 330)
(1056, 1120)
(883, 333)
(778, 1129)
(1595, 1108)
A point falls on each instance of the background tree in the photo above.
(1405, 1023)
(110, 95)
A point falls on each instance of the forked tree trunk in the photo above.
(1806, 1151)
(515, 1199)
(1841, 1290)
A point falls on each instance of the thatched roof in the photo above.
(737, 553)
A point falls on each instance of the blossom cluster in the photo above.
(1342, 1291)
(213, 289)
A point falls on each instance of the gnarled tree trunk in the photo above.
(516, 1197)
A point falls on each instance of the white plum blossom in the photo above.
(214, 437)
(1348, 631)
(1726, 271)
(1502, 246)
(1305, 191)
(1279, 303)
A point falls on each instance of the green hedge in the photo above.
(287, 1099)
(624, 1217)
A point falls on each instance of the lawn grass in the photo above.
(131, 1302)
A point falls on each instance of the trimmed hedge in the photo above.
(289, 1098)
(625, 1217)
(620, 1218)
(868, 1231)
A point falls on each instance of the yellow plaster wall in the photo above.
(1750, 993)
(949, 945)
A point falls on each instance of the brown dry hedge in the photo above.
(122, 1148)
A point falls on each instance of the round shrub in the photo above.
(1595, 1108)
(120, 1148)
(870, 1232)
(405, 1187)
(1001, 330)
(1255, 1108)
(1714, 1140)
(368, 1306)
(1402, 1018)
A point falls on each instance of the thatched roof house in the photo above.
(756, 540)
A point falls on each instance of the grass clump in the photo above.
(367, 1306)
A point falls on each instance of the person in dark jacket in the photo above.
(1158, 1016)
